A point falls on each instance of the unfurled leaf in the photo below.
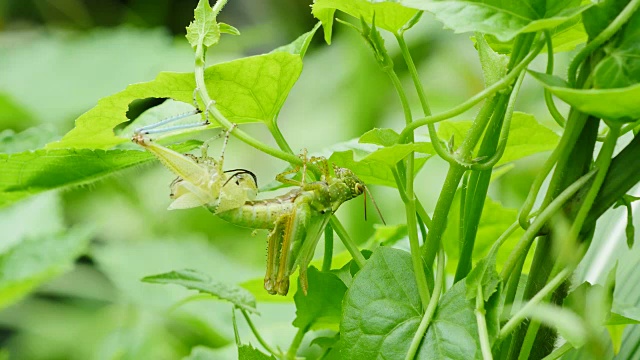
(321, 307)
(382, 311)
(382, 137)
(203, 29)
(300, 45)
(619, 105)
(376, 167)
(31, 172)
(38, 259)
(526, 136)
(503, 19)
(390, 16)
(195, 280)
(251, 89)
(248, 352)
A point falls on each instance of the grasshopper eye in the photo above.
(359, 189)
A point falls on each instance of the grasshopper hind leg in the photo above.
(274, 247)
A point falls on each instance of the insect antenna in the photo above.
(373, 200)
(237, 172)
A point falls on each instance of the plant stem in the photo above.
(491, 90)
(431, 308)
(328, 248)
(567, 141)
(602, 164)
(607, 33)
(440, 214)
(259, 337)
(548, 98)
(351, 247)
(527, 238)
(409, 204)
(483, 333)
(522, 313)
(277, 136)
(295, 344)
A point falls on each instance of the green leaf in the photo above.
(382, 311)
(248, 352)
(321, 307)
(494, 65)
(32, 172)
(565, 37)
(250, 89)
(203, 29)
(503, 19)
(228, 29)
(194, 280)
(598, 17)
(621, 65)
(301, 44)
(484, 274)
(619, 105)
(38, 259)
(616, 334)
(390, 16)
(32, 138)
(382, 137)
(526, 136)
(376, 167)
(630, 229)
(387, 235)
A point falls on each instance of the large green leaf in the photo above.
(321, 307)
(36, 260)
(389, 16)
(503, 19)
(31, 172)
(620, 104)
(251, 89)
(382, 311)
(526, 136)
(195, 280)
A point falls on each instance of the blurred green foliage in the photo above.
(57, 58)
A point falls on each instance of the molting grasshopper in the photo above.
(295, 220)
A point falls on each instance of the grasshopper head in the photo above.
(354, 186)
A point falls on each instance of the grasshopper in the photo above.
(295, 220)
